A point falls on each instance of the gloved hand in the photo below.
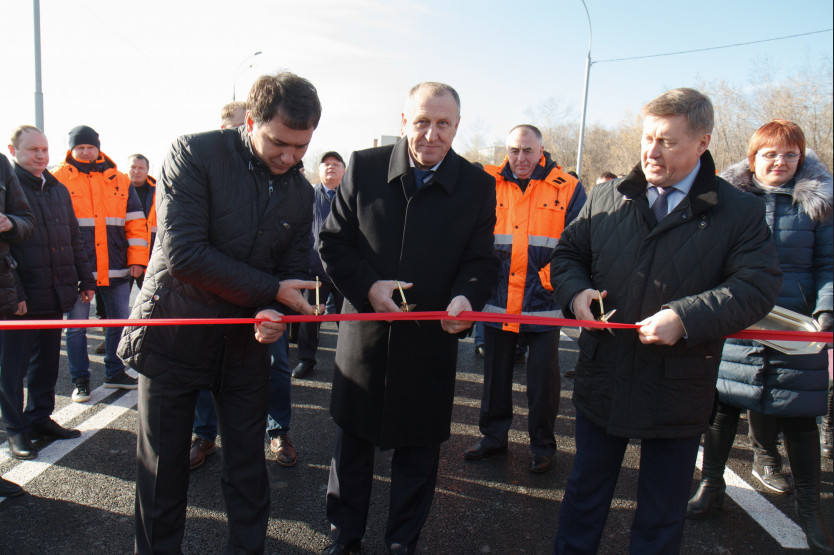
(825, 321)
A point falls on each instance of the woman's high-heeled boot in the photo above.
(718, 440)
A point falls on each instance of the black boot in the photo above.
(804, 455)
(718, 441)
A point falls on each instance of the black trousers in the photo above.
(544, 384)
(413, 477)
(666, 467)
(32, 355)
(308, 332)
(166, 414)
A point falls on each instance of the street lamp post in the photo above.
(585, 95)
(38, 85)
(239, 71)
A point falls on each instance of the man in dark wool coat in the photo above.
(418, 216)
(689, 259)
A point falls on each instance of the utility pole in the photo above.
(585, 95)
(38, 84)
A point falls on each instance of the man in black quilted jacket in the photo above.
(234, 227)
(682, 254)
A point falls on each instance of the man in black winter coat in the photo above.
(686, 257)
(413, 215)
(233, 238)
(16, 223)
(52, 267)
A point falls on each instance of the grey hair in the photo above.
(436, 89)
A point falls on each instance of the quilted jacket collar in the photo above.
(702, 196)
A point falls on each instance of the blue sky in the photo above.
(143, 73)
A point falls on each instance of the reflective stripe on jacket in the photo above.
(150, 212)
(109, 215)
(527, 229)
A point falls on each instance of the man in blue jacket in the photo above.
(331, 170)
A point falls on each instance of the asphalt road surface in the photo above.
(81, 492)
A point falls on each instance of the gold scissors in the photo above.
(604, 316)
(316, 311)
(404, 304)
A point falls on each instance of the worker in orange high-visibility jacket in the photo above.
(113, 225)
(145, 186)
(535, 201)
(152, 224)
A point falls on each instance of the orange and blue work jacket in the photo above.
(152, 224)
(528, 226)
(109, 215)
(150, 211)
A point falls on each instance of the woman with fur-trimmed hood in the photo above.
(781, 391)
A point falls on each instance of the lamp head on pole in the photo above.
(240, 70)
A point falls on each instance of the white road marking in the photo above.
(27, 471)
(775, 522)
(68, 413)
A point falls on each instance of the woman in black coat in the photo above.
(789, 390)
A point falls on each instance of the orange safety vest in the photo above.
(106, 216)
(527, 229)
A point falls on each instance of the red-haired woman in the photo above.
(780, 391)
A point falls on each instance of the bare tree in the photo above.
(734, 123)
(804, 97)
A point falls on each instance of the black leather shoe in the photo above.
(9, 489)
(540, 464)
(707, 501)
(49, 429)
(342, 549)
(479, 452)
(302, 370)
(21, 447)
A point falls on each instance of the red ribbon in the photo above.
(772, 335)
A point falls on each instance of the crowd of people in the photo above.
(233, 229)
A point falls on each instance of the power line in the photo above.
(713, 47)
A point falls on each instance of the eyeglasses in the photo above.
(772, 156)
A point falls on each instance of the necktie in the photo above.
(660, 206)
(422, 177)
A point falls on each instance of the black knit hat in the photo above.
(332, 154)
(83, 135)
